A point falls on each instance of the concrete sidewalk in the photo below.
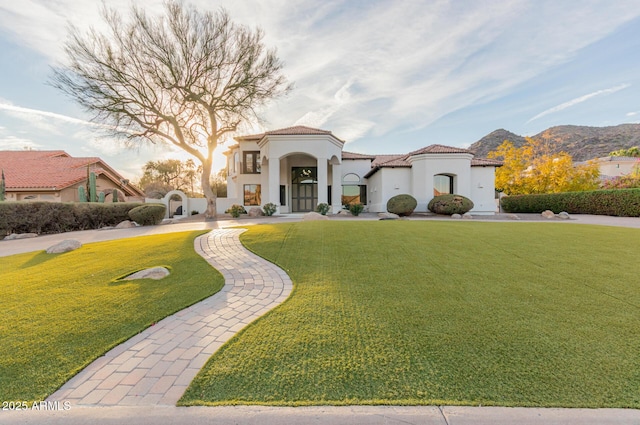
(323, 415)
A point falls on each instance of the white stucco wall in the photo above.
(483, 190)
(386, 183)
(426, 166)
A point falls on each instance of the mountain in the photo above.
(582, 143)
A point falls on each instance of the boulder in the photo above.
(127, 224)
(467, 216)
(456, 216)
(255, 212)
(388, 216)
(344, 212)
(564, 215)
(64, 246)
(155, 273)
(314, 216)
(548, 214)
(14, 236)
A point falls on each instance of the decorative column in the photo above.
(274, 183)
(322, 181)
(336, 188)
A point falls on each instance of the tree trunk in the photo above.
(210, 213)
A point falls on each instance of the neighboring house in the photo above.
(298, 167)
(615, 166)
(55, 176)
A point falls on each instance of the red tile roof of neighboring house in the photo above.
(52, 170)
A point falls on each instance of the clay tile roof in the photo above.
(439, 149)
(297, 130)
(50, 170)
(390, 161)
(353, 155)
(484, 162)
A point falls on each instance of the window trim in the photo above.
(255, 162)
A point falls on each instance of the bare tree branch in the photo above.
(187, 78)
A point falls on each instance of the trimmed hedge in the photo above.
(148, 214)
(618, 202)
(450, 204)
(403, 205)
(56, 217)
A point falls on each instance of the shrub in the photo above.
(56, 217)
(236, 210)
(269, 209)
(148, 214)
(322, 208)
(403, 205)
(616, 202)
(450, 204)
(194, 212)
(356, 209)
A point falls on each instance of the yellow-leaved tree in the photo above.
(532, 168)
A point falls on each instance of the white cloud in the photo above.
(632, 114)
(17, 143)
(367, 68)
(578, 100)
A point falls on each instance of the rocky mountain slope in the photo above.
(582, 143)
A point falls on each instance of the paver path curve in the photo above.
(156, 366)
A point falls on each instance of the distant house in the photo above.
(299, 167)
(55, 176)
(615, 166)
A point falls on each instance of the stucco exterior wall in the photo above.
(483, 190)
(386, 183)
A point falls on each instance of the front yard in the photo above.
(60, 312)
(512, 314)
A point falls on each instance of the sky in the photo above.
(385, 76)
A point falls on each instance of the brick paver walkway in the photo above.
(156, 366)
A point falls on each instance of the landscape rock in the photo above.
(155, 273)
(467, 216)
(388, 216)
(127, 224)
(314, 216)
(456, 216)
(255, 212)
(564, 215)
(14, 236)
(64, 246)
(548, 214)
(344, 212)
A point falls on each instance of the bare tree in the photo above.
(185, 77)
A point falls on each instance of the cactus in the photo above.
(92, 187)
(101, 197)
(82, 194)
(115, 195)
(3, 187)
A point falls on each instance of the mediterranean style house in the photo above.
(296, 168)
(54, 176)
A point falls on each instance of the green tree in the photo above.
(634, 152)
(532, 168)
(183, 77)
(170, 174)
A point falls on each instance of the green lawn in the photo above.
(415, 312)
(60, 312)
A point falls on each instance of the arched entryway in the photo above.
(304, 189)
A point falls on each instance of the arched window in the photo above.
(442, 184)
(352, 191)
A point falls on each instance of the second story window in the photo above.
(251, 162)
